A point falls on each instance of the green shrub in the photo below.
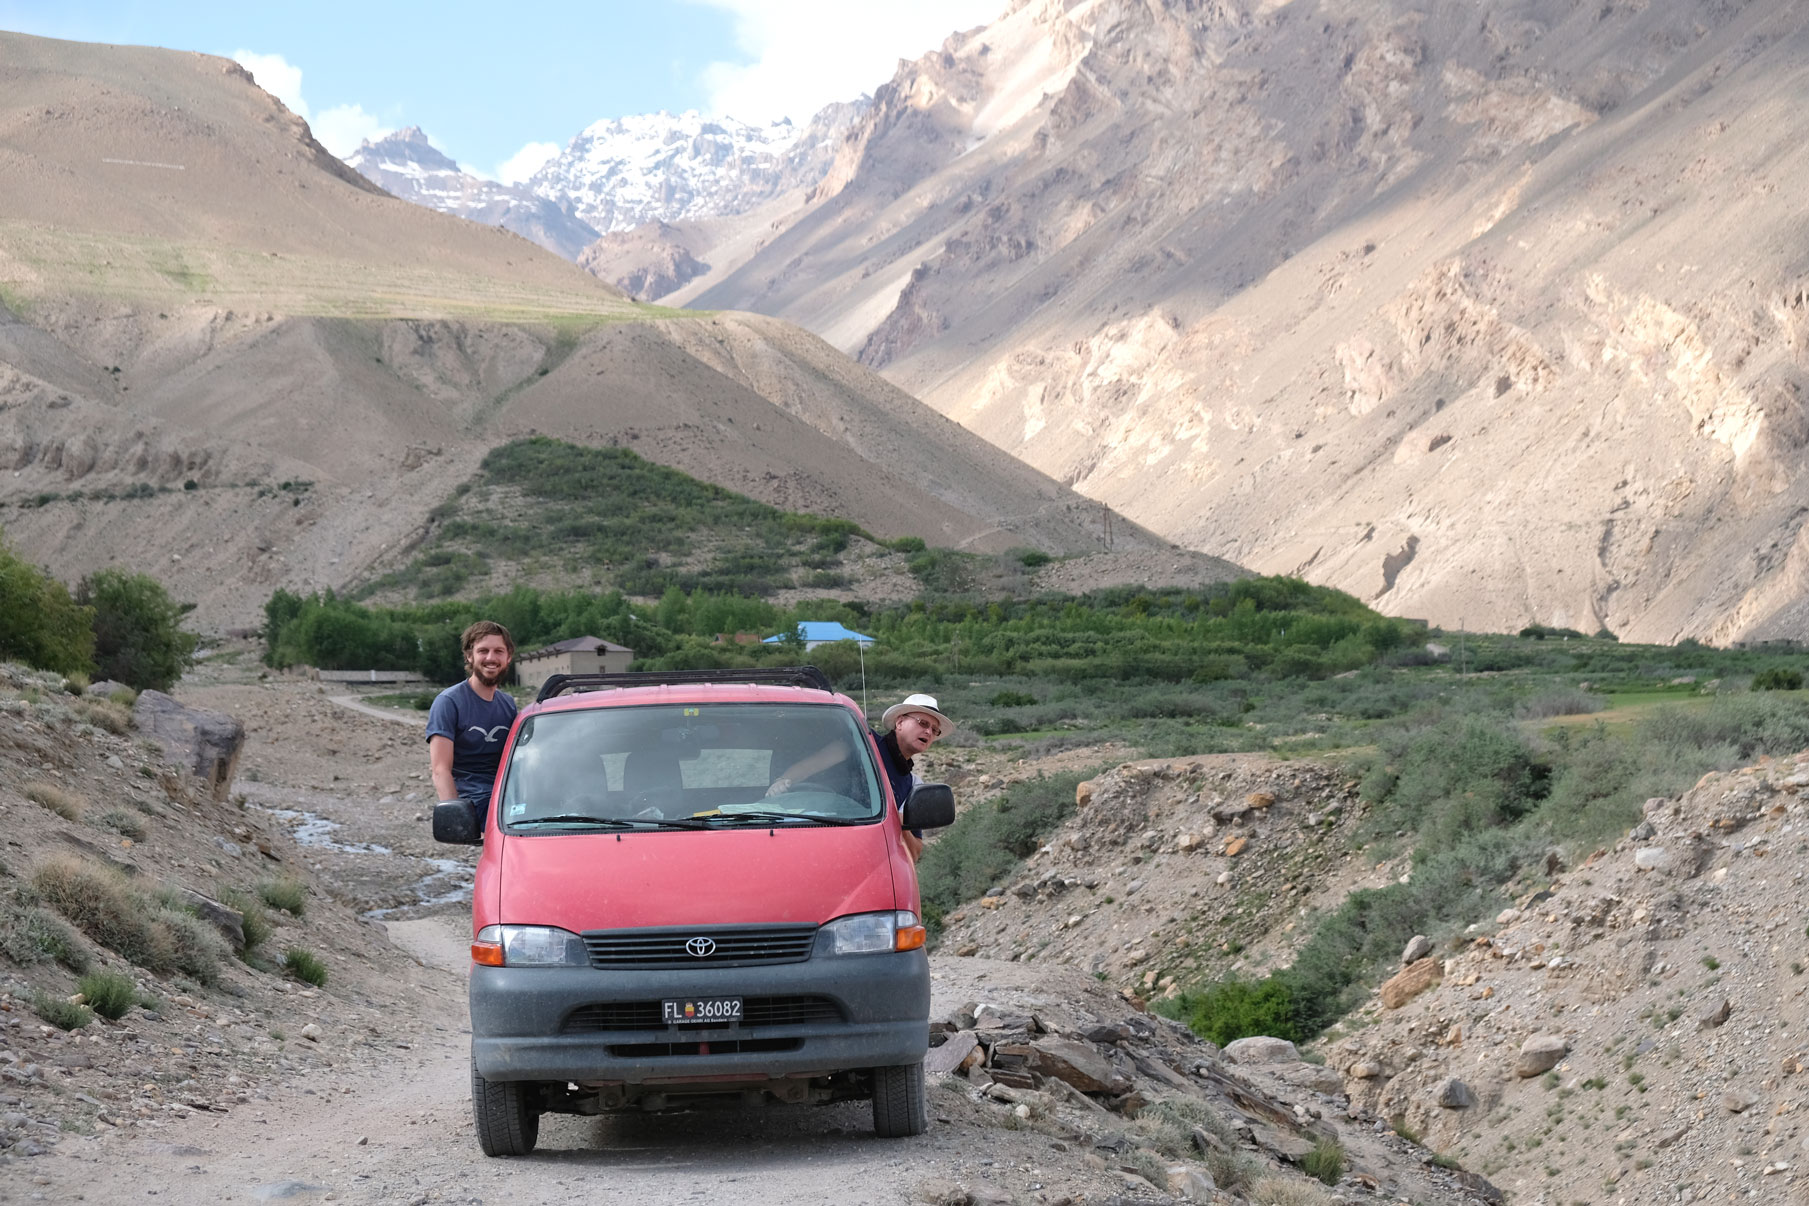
(110, 994)
(124, 822)
(40, 624)
(1325, 1161)
(254, 922)
(1012, 699)
(29, 934)
(1233, 1009)
(1031, 558)
(112, 912)
(289, 895)
(1284, 1191)
(990, 839)
(1778, 678)
(138, 638)
(305, 965)
(64, 1015)
(65, 804)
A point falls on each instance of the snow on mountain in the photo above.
(620, 173)
(406, 164)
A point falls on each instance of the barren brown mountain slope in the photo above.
(1481, 312)
(226, 357)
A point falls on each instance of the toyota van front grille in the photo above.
(755, 1012)
(684, 946)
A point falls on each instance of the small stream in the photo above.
(449, 882)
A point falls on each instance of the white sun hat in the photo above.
(915, 703)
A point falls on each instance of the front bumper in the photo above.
(525, 1021)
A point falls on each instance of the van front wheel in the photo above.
(507, 1114)
(898, 1101)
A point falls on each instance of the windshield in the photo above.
(690, 766)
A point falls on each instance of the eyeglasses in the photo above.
(928, 722)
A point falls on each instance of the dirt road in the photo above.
(376, 1108)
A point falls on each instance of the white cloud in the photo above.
(277, 76)
(341, 128)
(808, 53)
(525, 162)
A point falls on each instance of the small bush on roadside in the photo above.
(110, 994)
(1283, 1191)
(1232, 1171)
(1233, 1009)
(1012, 699)
(104, 714)
(289, 895)
(125, 697)
(64, 1015)
(29, 934)
(305, 965)
(254, 922)
(112, 912)
(65, 804)
(125, 823)
(1325, 1162)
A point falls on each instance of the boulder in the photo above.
(1652, 858)
(953, 1054)
(1192, 1184)
(1286, 1144)
(1711, 1016)
(1317, 1077)
(230, 922)
(105, 688)
(1074, 1063)
(1738, 1101)
(1411, 981)
(938, 1192)
(1083, 793)
(1261, 1049)
(1418, 947)
(1540, 1054)
(1454, 1094)
(202, 742)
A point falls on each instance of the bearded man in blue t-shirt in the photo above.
(469, 721)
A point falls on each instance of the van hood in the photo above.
(594, 881)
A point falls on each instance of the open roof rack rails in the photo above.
(770, 676)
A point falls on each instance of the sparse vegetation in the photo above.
(305, 965)
(64, 803)
(988, 840)
(63, 1014)
(30, 934)
(289, 895)
(125, 823)
(112, 912)
(40, 624)
(1285, 1191)
(110, 994)
(1325, 1162)
(255, 923)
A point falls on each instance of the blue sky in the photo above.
(495, 87)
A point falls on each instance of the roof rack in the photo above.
(773, 676)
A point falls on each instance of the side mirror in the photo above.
(931, 806)
(455, 823)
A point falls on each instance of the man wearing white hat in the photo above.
(907, 728)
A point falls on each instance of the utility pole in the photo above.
(1460, 646)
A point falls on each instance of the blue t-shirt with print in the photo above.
(477, 729)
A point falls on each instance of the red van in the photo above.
(651, 925)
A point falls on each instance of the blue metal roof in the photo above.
(811, 631)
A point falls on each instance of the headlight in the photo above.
(529, 946)
(867, 933)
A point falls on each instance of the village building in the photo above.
(580, 655)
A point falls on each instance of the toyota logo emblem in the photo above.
(703, 948)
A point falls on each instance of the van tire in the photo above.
(898, 1101)
(508, 1120)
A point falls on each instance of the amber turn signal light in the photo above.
(910, 938)
(490, 954)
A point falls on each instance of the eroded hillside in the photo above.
(1483, 313)
(226, 356)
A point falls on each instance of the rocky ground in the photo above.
(1051, 1085)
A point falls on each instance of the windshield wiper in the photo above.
(768, 817)
(579, 818)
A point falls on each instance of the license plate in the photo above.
(708, 1011)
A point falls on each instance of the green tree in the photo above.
(138, 634)
(40, 624)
